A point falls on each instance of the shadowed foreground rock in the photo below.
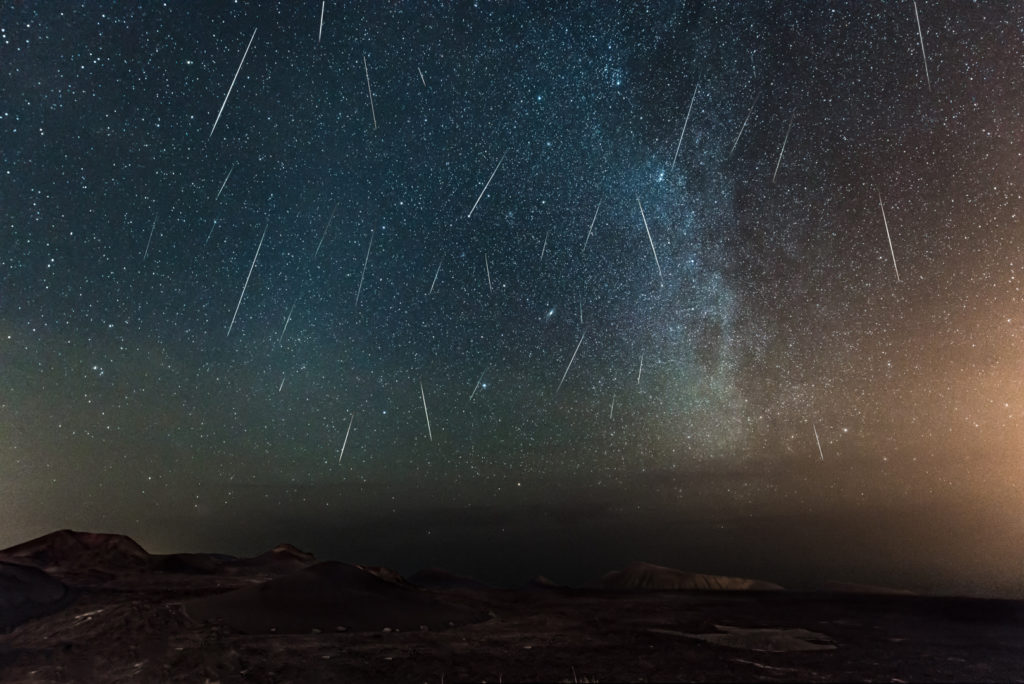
(27, 592)
(327, 596)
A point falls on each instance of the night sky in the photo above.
(677, 283)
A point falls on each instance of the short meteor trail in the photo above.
(486, 185)
(231, 87)
(436, 273)
(421, 76)
(488, 267)
(224, 183)
(641, 372)
(478, 382)
(920, 35)
(373, 112)
(544, 247)
(363, 274)
(210, 234)
(749, 112)
(427, 415)
(680, 143)
(239, 305)
(779, 163)
(345, 442)
(150, 240)
(611, 412)
(591, 230)
(651, 240)
(820, 453)
(281, 386)
(320, 35)
(889, 237)
(570, 363)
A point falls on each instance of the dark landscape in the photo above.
(83, 607)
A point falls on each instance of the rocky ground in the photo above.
(261, 622)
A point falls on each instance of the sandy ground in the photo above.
(136, 628)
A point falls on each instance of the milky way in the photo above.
(708, 201)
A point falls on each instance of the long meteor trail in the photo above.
(359, 291)
(425, 413)
(570, 364)
(436, 273)
(345, 442)
(150, 240)
(232, 86)
(486, 185)
(889, 238)
(326, 228)
(477, 386)
(749, 112)
(920, 35)
(680, 143)
(591, 230)
(784, 140)
(222, 185)
(373, 112)
(287, 321)
(241, 296)
(651, 240)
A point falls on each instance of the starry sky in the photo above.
(732, 286)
